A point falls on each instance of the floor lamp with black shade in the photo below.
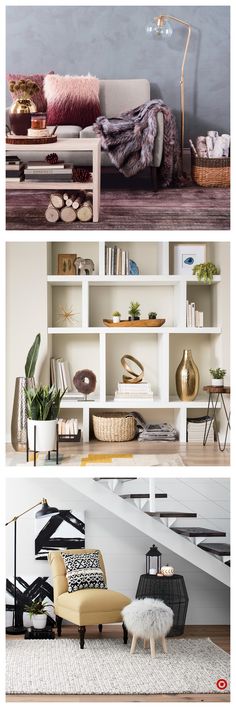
(45, 509)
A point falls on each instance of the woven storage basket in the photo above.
(210, 172)
(115, 427)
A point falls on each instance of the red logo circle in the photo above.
(222, 684)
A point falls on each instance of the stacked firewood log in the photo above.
(69, 207)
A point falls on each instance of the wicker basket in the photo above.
(114, 427)
(210, 172)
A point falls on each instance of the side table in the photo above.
(214, 394)
(172, 590)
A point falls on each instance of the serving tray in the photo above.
(26, 140)
(134, 323)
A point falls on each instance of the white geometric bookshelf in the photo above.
(92, 345)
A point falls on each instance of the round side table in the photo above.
(172, 590)
(216, 393)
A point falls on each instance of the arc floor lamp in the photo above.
(161, 28)
(45, 509)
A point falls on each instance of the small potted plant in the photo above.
(36, 611)
(134, 311)
(43, 405)
(205, 272)
(116, 316)
(217, 376)
(152, 315)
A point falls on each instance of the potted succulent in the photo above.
(43, 405)
(217, 376)
(134, 311)
(18, 421)
(152, 315)
(205, 272)
(36, 614)
(116, 316)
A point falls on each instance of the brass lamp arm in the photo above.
(160, 20)
(42, 501)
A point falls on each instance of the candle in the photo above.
(38, 121)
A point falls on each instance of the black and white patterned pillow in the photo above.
(85, 579)
(75, 561)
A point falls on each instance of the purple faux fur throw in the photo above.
(129, 141)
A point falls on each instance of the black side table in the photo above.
(172, 590)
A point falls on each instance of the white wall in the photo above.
(123, 547)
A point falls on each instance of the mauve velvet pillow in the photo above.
(39, 97)
(71, 100)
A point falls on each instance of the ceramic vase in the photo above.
(187, 377)
(18, 421)
(27, 620)
(39, 621)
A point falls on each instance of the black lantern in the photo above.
(153, 561)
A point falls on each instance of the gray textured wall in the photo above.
(111, 43)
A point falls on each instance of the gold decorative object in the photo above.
(187, 377)
(161, 28)
(23, 90)
(133, 377)
(66, 316)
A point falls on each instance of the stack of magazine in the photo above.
(154, 432)
(44, 172)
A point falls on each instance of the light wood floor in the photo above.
(192, 454)
(219, 634)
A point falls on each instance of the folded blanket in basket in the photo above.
(129, 140)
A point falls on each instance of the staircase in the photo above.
(189, 543)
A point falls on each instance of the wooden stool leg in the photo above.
(152, 647)
(133, 644)
(145, 643)
(164, 644)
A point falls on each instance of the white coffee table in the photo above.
(92, 145)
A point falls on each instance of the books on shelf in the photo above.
(194, 318)
(68, 427)
(196, 429)
(116, 261)
(135, 390)
(60, 373)
(47, 173)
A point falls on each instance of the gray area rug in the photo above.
(105, 666)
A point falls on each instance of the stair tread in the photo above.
(195, 532)
(142, 496)
(169, 514)
(222, 549)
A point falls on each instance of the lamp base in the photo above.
(15, 630)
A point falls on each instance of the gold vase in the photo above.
(187, 377)
(23, 105)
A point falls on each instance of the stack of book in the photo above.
(136, 390)
(14, 169)
(194, 318)
(196, 429)
(60, 374)
(44, 172)
(116, 261)
(68, 427)
(158, 432)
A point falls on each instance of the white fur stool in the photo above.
(148, 619)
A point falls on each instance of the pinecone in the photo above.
(52, 158)
(81, 174)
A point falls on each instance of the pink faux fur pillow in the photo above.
(71, 100)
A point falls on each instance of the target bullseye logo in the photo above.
(221, 684)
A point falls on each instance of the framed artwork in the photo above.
(28, 588)
(65, 264)
(187, 255)
(55, 532)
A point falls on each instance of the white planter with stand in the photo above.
(39, 621)
(217, 382)
(46, 432)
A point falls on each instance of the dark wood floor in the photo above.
(130, 204)
(219, 634)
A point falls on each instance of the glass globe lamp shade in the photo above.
(163, 30)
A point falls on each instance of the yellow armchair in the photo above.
(84, 607)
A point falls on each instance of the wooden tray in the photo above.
(134, 323)
(25, 140)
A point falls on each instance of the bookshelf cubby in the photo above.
(87, 343)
